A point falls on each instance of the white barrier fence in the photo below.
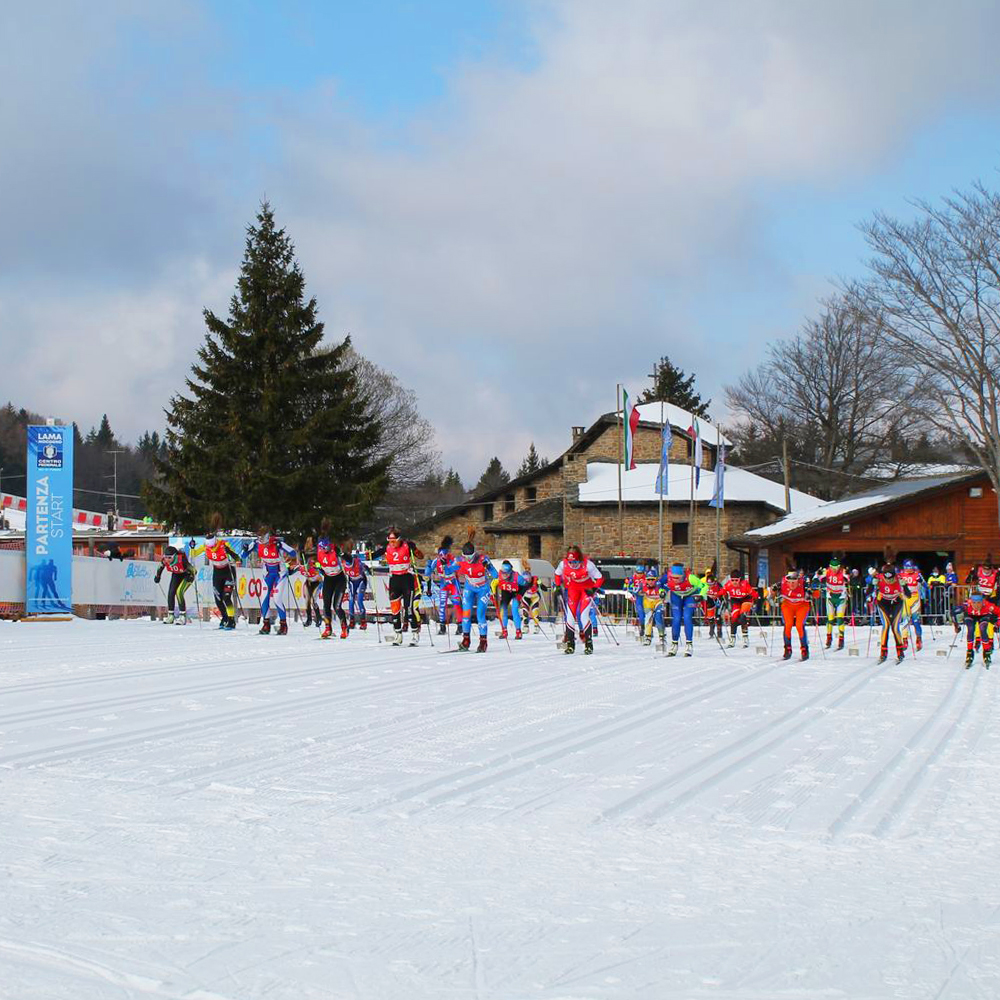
(130, 586)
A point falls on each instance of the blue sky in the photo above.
(387, 58)
(523, 202)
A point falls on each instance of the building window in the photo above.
(531, 493)
(508, 503)
(487, 512)
(534, 546)
(679, 533)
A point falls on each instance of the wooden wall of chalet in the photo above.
(951, 521)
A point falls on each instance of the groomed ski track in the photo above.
(203, 815)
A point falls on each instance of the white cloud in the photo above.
(542, 232)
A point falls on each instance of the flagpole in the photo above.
(718, 508)
(663, 431)
(691, 516)
(621, 451)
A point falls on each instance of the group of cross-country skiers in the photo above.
(463, 586)
(895, 599)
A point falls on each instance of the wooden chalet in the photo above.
(932, 520)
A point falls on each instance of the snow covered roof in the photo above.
(639, 484)
(919, 470)
(840, 510)
(681, 419)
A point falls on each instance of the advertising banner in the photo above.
(49, 523)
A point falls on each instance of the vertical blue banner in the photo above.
(49, 541)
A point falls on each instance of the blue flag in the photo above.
(719, 497)
(663, 476)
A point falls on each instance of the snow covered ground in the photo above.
(188, 813)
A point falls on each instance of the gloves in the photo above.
(159, 573)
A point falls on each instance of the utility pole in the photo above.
(788, 475)
(115, 454)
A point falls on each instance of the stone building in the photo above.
(574, 499)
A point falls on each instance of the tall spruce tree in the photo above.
(672, 386)
(492, 478)
(274, 428)
(531, 463)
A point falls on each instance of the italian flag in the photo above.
(631, 423)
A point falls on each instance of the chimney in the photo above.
(577, 434)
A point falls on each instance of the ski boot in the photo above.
(883, 655)
(318, 622)
(647, 640)
(343, 630)
(503, 634)
(588, 646)
(327, 632)
(458, 629)
(308, 622)
(283, 627)
(829, 639)
(986, 659)
(481, 648)
(804, 653)
(788, 653)
(900, 655)
(689, 649)
(397, 637)
(673, 649)
(168, 618)
(840, 643)
(464, 644)
(569, 645)
(352, 623)
(223, 623)
(970, 658)
(265, 627)
(231, 624)
(363, 624)
(442, 629)
(415, 636)
(918, 644)
(518, 634)
(732, 641)
(181, 619)
(746, 641)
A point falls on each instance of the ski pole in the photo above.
(258, 588)
(291, 589)
(607, 627)
(503, 630)
(420, 612)
(378, 629)
(953, 641)
(236, 594)
(162, 591)
(197, 600)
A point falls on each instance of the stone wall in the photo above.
(547, 486)
(514, 545)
